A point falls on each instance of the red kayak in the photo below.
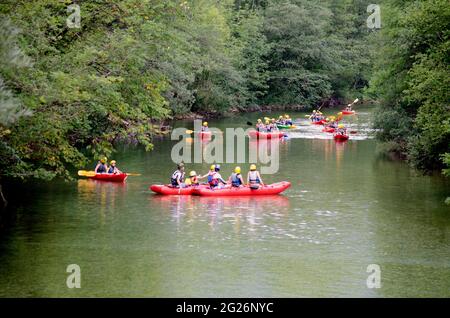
(270, 189)
(348, 112)
(328, 130)
(119, 177)
(320, 122)
(265, 135)
(340, 137)
(169, 190)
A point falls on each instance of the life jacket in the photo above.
(213, 180)
(210, 176)
(175, 176)
(254, 177)
(101, 168)
(111, 169)
(235, 180)
(205, 128)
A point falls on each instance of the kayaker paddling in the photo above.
(113, 168)
(341, 130)
(102, 166)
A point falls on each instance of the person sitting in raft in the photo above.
(101, 166)
(332, 123)
(341, 130)
(253, 178)
(273, 125)
(348, 108)
(236, 178)
(113, 168)
(177, 179)
(192, 180)
(268, 127)
(259, 125)
(313, 116)
(216, 178)
(205, 126)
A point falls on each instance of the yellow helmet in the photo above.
(259, 120)
(273, 119)
(281, 117)
(193, 174)
(205, 123)
(113, 162)
(253, 167)
(237, 170)
(103, 160)
(267, 121)
(286, 116)
(212, 167)
(340, 126)
(314, 111)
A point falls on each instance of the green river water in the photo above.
(347, 208)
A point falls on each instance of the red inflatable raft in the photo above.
(320, 122)
(120, 177)
(204, 135)
(169, 190)
(328, 129)
(340, 137)
(270, 189)
(263, 135)
(348, 112)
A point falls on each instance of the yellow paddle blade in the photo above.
(133, 174)
(85, 173)
(189, 132)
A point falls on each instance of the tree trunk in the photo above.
(5, 203)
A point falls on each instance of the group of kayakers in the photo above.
(271, 124)
(102, 166)
(214, 178)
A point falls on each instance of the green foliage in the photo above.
(411, 79)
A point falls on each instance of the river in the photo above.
(347, 208)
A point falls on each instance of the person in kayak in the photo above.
(101, 166)
(205, 126)
(280, 120)
(341, 130)
(253, 178)
(177, 179)
(192, 180)
(236, 178)
(216, 178)
(348, 108)
(288, 120)
(113, 168)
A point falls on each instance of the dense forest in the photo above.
(68, 95)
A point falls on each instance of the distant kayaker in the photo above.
(101, 166)
(288, 120)
(205, 126)
(177, 179)
(192, 180)
(253, 178)
(348, 108)
(236, 178)
(341, 130)
(216, 178)
(113, 168)
(280, 120)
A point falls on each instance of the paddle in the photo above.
(84, 173)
